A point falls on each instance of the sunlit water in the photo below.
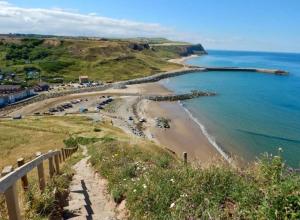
(252, 113)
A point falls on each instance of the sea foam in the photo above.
(210, 138)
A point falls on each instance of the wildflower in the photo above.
(172, 205)
(124, 179)
(134, 190)
(183, 195)
(144, 185)
(172, 180)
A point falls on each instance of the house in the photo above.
(3, 100)
(41, 87)
(83, 79)
(10, 94)
(7, 89)
(17, 96)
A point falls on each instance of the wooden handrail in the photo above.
(10, 176)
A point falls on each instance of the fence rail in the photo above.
(9, 177)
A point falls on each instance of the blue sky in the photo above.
(265, 25)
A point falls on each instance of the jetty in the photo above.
(178, 97)
(247, 69)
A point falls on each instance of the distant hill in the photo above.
(63, 59)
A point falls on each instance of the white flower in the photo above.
(172, 205)
(134, 190)
(172, 180)
(280, 149)
(144, 185)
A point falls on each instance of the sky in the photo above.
(257, 25)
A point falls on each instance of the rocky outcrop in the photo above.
(181, 49)
(192, 50)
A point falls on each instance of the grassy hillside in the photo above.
(63, 60)
(23, 138)
(158, 186)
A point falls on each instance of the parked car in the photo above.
(17, 117)
(52, 110)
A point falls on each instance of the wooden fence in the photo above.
(9, 177)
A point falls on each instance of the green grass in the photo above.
(158, 186)
(67, 59)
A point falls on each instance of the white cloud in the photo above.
(57, 21)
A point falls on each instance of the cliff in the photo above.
(179, 49)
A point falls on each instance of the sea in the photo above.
(252, 113)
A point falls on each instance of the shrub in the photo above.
(97, 129)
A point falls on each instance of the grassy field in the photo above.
(22, 138)
(63, 60)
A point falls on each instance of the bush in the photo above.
(73, 142)
(54, 65)
(97, 129)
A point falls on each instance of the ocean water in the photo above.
(253, 113)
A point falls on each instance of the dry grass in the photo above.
(22, 138)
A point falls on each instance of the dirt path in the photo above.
(88, 197)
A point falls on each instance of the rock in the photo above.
(139, 46)
(162, 122)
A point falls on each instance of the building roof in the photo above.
(7, 88)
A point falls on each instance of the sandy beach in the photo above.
(184, 135)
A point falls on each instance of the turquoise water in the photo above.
(253, 113)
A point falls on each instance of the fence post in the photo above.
(59, 155)
(185, 158)
(24, 179)
(56, 159)
(11, 197)
(63, 154)
(51, 166)
(41, 174)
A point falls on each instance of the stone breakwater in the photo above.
(160, 76)
(178, 97)
(258, 70)
(191, 69)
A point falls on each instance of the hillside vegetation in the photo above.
(156, 185)
(64, 59)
